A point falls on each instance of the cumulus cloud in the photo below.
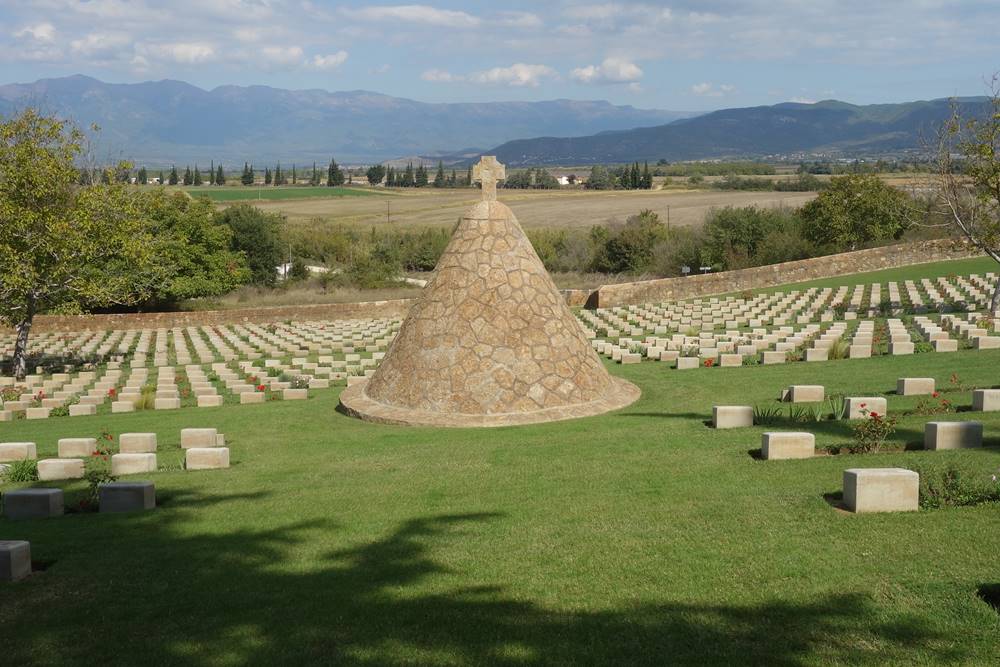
(184, 53)
(100, 44)
(40, 32)
(517, 75)
(524, 20)
(423, 14)
(612, 70)
(706, 89)
(283, 56)
(330, 61)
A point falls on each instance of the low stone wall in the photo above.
(326, 311)
(831, 266)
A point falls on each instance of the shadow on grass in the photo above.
(234, 597)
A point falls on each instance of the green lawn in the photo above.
(641, 537)
(225, 194)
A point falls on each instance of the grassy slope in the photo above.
(273, 193)
(638, 537)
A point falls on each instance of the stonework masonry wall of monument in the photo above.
(646, 291)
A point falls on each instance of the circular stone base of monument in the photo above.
(356, 403)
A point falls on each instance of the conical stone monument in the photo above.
(490, 341)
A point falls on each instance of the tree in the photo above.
(188, 177)
(420, 178)
(600, 179)
(853, 211)
(161, 177)
(407, 180)
(191, 250)
(173, 175)
(969, 186)
(257, 235)
(196, 177)
(375, 174)
(220, 176)
(295, 176)
(468, 178)
(62, 246)
(278, 177)
(314, 178)
(439, 178)
(390, 177)
(247, 177)
(334, 174)
(267, 175)
(143, 177)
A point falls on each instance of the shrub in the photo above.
(24, 470)
(949, 486)
(871, 432)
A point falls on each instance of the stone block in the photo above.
(209, 401)
(774, 357)
(817, 355)
(860, 351)
(732, 416)
(50, 470)
(914, 386)
(687, 363)
(901, 348)
(70, 448)
(17, 451)
(122, 406)
(987, 343)
(198, 437)
(297, 394)
(856, 406)
(319, 383)
(251, 397)
(137, 443)
(166, 403)
(949, 345)
(881, 490)
(806, 393)
(986, 400)
(730, 360)
(778, 445)
(82, 410)
(37, 413)
(206, 458)
(355, 379)
(15, 560)
(33, 503)
(132, 464)
(953, 435)
(127, 496)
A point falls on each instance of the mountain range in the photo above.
(788, 130)
(164, 122)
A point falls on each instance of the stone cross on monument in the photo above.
(488, 171)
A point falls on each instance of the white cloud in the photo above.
(523, 20)
(41, 32)
(439, 76)
(100, 44)
(612, 70)
(706, 89)
(283, 56)
(330, 61)
(518, 74)
(423, 14)
(185, 53)
(802, 100)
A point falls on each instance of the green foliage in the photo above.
(257, 235)
(855, 211)
(538, 179)
(375, 174)
(947, 485)
(334, 174)
(663, 168)
(600, 179)
(62, 243)
(192, 250)
(298, 270)
(22, 470)
(872, 431)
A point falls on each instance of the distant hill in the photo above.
(171, 121)
(830, 127)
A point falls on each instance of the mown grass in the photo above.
(271, 193)
(640, 537)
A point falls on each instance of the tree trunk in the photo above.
(995, 303)
(21, 345)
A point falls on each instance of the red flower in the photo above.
(96, 453)
(105, 457)
(260, 387)
(874, 415)
(111, 392)
(935, 394)
(864, 405)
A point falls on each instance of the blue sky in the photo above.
(687, 55)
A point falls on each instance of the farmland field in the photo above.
(227, 194)
(538, 208)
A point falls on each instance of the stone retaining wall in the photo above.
(326, 311)
(646, 291)
(831, 266)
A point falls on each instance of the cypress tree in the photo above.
(407, 176)
(220, 176)
(161, 177)
(295, 178)
(267, 175)
(420, 180)
(187, 176)
(468, 177)
(439, 179)
(196, 179)
(390, 177)
(142, 179)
